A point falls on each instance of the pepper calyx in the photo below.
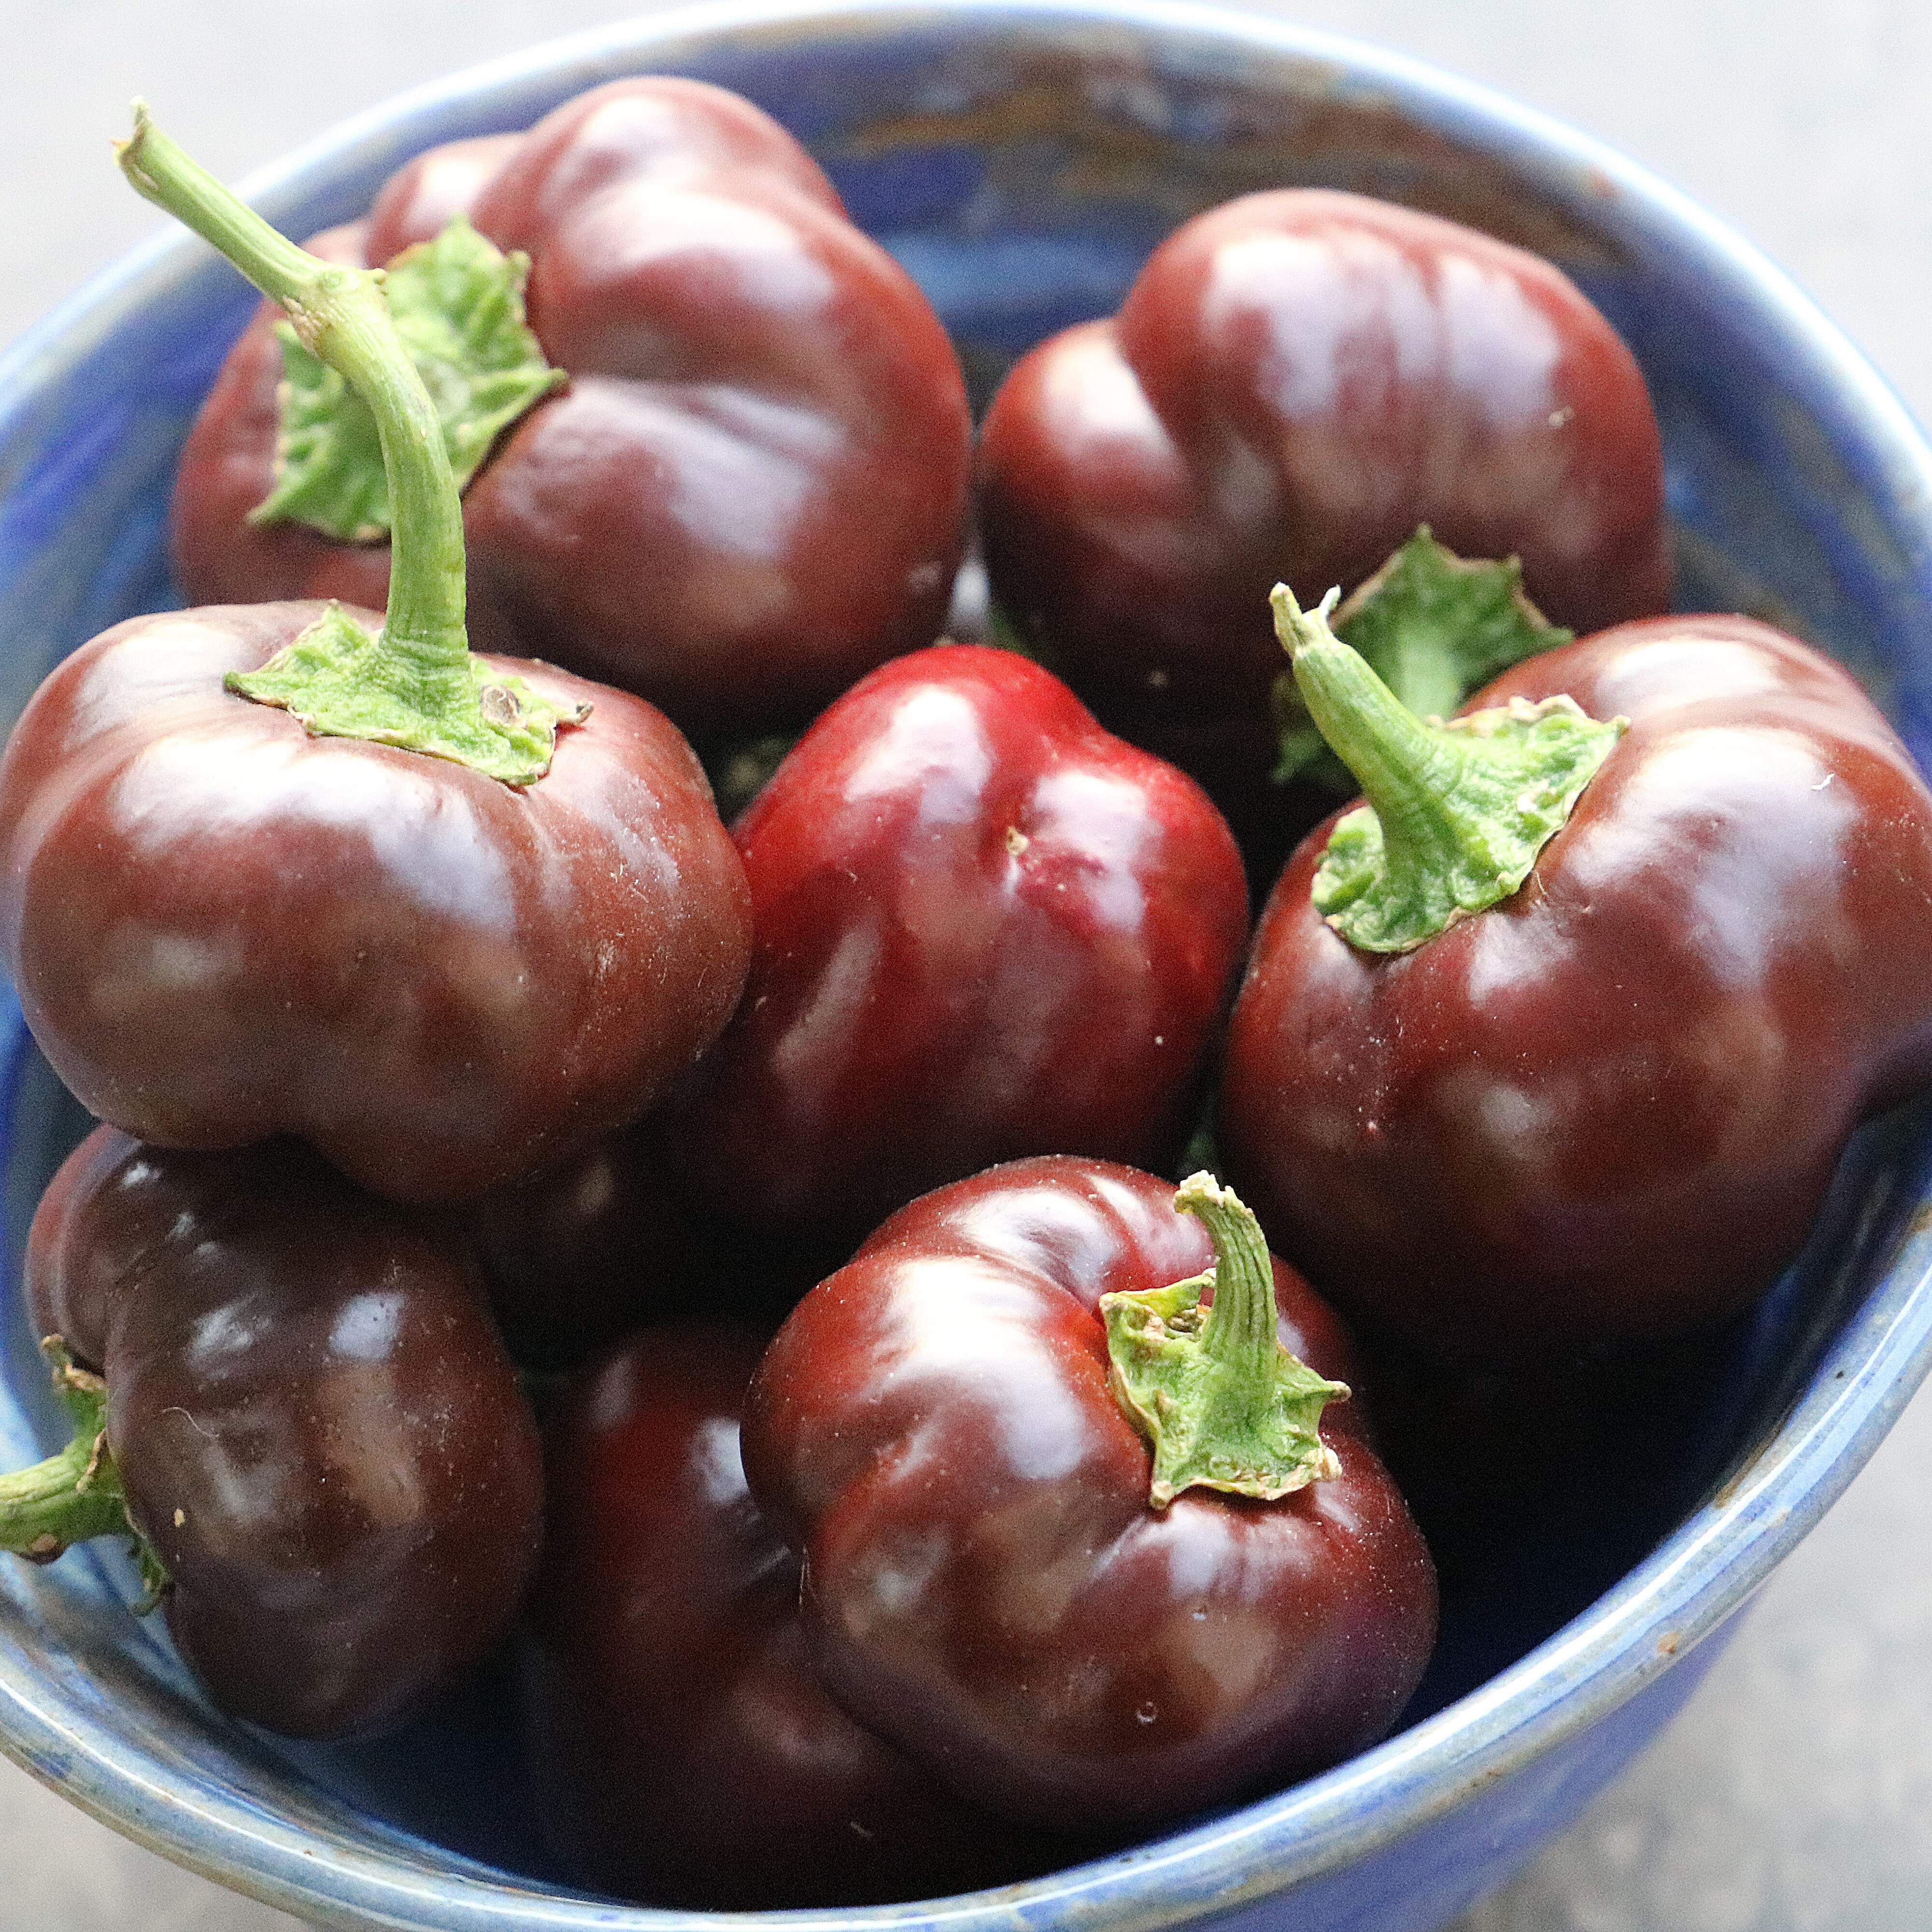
(338, 681)
(457, 305)
(1434, 627)
(76, 1493)
(1223, 1405)
(1456, 814)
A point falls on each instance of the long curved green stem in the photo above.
(415, 683)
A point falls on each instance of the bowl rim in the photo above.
(1654, 1617)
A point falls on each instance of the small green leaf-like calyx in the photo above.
(1456, 813)
(457, 303)
(1223, 1405)
(338, 683)
(1434, 627)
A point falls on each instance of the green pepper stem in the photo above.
(1405, 770)
(1434, 626)
(1223, 1403)
(1238, 1327)
(75, 1493)
(415, 684)
(340, 315)
(1455, 813)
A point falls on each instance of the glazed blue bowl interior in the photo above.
(1021, 160)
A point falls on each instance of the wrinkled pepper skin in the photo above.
(1608, 1106)
(754, 487)
(1296, 381)
(683, 1751)
(222, 928)
(985, 928)
(316, 1424)
(986, 1582)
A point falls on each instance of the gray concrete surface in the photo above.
(1794, 1795)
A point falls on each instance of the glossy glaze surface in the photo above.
(1294, 382)
(985, 928)
(222, 928)
(1610, 1105)
(317, 1426)
(754, 489)
(986, 1582)
(685, 1752)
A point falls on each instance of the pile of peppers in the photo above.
(788, 1281)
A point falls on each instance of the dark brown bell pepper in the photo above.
(1610, 1103)
(753, 488)
(283, 868)
(1088, 1610)
(683, 1750)
(309, 1421)
(1296, 381)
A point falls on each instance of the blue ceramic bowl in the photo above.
(1022, 160)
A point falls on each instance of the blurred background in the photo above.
(1794, 1794)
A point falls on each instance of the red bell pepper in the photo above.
(985, 927)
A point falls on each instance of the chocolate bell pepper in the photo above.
(682, 1750)
(1295, 381)
(1078, 1619)
(1504, 1084)
(310, 1423)
(263, 870)
(753, 488)
(985, 928)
